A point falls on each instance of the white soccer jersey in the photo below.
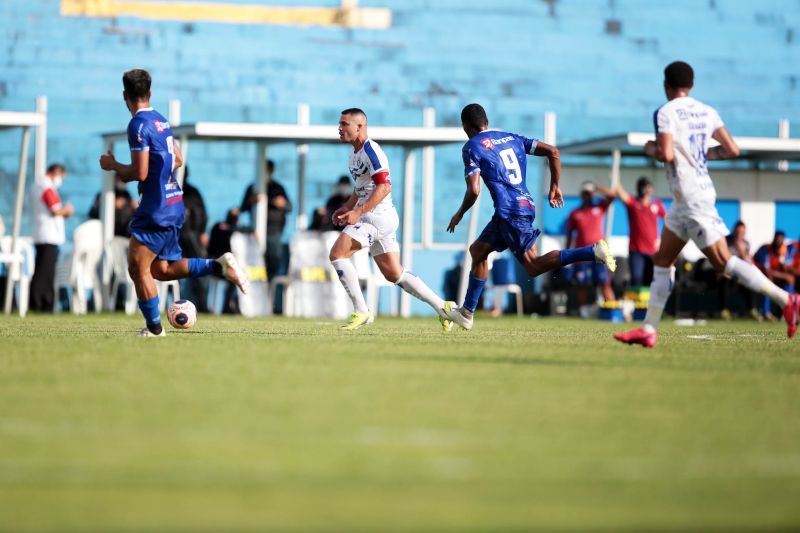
(691, 124)
(47, 227)
(367, 162)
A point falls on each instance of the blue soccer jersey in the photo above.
(501, 159)
(161, 204)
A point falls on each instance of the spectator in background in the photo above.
(278, 205)
(793, 263)
(584, 228)
(124, 207)
(48, 234)
(220, 243)
(772, 260)
(643, 214)
(322, 220)
(739, 247)
(193, 240)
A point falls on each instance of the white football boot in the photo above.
(602, 254)
(233, 272)
(457, 317)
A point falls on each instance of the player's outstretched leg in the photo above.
(233, 272)
(417, 288)
(389, 265)
(751, 277)
(194, 267)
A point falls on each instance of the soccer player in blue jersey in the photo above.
(154, 253)
(500, 159)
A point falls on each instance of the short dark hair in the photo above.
(137, 83)
(679, 75)
(354, 111)
(738, 223)
(641, 185)
(474, 116)
(344, 180)
(56, 167)
(270, 166)
(780, 233)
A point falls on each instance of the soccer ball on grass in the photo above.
(182, 314)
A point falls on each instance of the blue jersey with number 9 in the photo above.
(500, 157)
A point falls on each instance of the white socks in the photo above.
(751, 277)
(417, 288)
(660, 288)
(349, 278)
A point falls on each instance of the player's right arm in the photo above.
(470, 196)
(139, 142)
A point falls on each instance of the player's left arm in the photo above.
(554, 162)
(470, 196)
(177, 156)
(727, 149)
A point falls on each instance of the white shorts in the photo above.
(701, 225)
(378, 232)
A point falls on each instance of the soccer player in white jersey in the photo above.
(683, 128)
(371, 222)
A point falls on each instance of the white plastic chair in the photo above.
(117, 255)
(163, 291)
(87, 251)
(20, 264)
(371, 277)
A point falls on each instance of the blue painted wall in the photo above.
(519, 58)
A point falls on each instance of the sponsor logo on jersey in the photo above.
(503, 140)
(487, 143)
(161, 127)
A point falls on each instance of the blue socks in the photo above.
(200, 267)
(574, 255)
(149, 309)
(474, 290)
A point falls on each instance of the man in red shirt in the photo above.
(643, 214)
(585, 227)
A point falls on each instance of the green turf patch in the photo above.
(293, 425)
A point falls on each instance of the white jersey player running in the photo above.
(683, 128)
(371, 222)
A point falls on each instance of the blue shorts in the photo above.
(586, 273)
(163, 241)
(515, 233)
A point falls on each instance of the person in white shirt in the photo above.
(371, 221)
(684, 127)
(48, 234)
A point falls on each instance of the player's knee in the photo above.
(477, 252)
(158, 272)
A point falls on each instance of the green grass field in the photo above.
(287, 425)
